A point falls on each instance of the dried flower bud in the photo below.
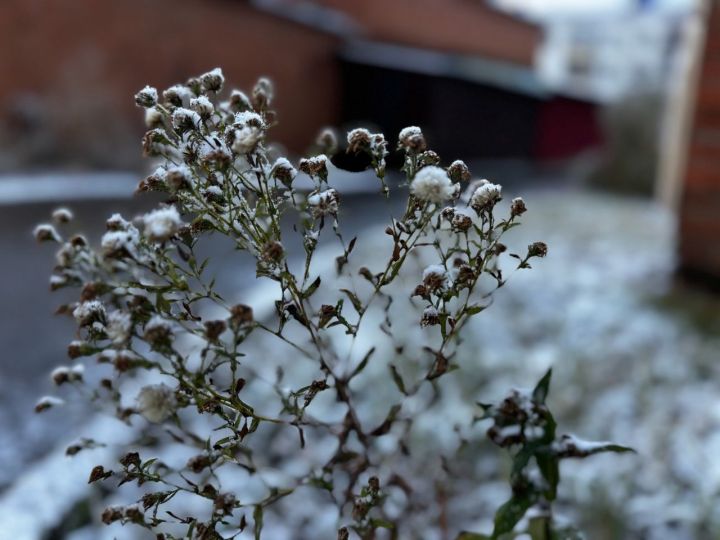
(147, 97)
(358, 140)
(178, 178)
(430, 317)
(78, 241)
(485, 197)
(89, 312)
(123, 361)
(46, 233)
(62, 216)
(324, 203)
(225, 503)
(177, 95)
(47, 402)
(421, 291)
(58, 282)
(73, 449)
(63, 374)
(154, 141)
(517, 207)
(374, 485)
(239, 102)
(117, 223)
(112, 514)
(315, 166)
(133, 514)
(240, 315)
(283, 171)
(461, 221)
(213, 81)
(435, 278)
(249, 118)
(185, 120)
(198, 463)
(448, 213)
(262, 94)
(158, 332)
(214, 194)
(499, 248)
(429, 158)
(327, 141)
(365, 272)
(412, 139)
(537, 249)
(464, 275)
(273, 252)
(458, 171)
(214, 329)
(130, 459)
(99, 473)
(203, 106)
(77, 348)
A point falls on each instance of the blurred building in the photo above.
(608, 57)
(606, 50)
(462, 70)
(699, 167)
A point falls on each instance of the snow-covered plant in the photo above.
(249, 417)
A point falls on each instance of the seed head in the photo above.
(147, 97)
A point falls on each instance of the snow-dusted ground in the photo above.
(631, 365)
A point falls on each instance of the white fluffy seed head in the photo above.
(156, 402)
(432, 184)
(162, 224)
(118, 327)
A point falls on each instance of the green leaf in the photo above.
(475, 309)
(307, 293)
(362, 363)
(381, 523)
(572, 447)
(258, 519)
(465, 535)
(357, 304)
(383, 428)
(543, 387)
(398, 379)
(549, 465)
(162, 304)
(510, 513)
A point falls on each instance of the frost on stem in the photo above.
(245, 390)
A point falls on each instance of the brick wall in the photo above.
(700, 204)
(87, 58)
(459, 26)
